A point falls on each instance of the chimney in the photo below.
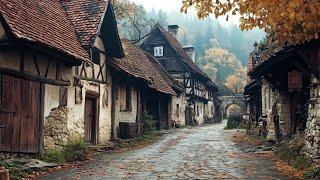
(173, 29)
(190, 50)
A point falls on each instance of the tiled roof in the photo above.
(137, 64)
(86, 16)
(44, 22)
(173, 83)
(179, 49)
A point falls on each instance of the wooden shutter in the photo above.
(122, 96)
(128, 98)
(63, 96)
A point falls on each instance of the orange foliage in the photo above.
(293, 21)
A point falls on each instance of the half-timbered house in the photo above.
(88, 100)
(139, 85)
(39, 47)
(55, 82)
(199, 88)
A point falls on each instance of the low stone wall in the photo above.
(56, 133)
(312, 132)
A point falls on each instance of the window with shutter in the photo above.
(177, 110)
(128, 98)
(122, 96)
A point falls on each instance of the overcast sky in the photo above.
(174, 6)
(166, 5)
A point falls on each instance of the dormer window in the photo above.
(158, 51)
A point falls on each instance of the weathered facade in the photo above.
(65, 75)
(34, 62)
(139, 85)
(198, 87)
(286, 78)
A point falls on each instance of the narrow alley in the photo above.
(205, 152)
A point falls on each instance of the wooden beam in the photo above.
(34, 58)
(47, 69)
(31, 77)
(90, 79)
(22, 60)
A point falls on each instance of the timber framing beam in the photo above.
(31, 77)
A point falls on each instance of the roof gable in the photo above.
(93, 18)
(174, 43)
(137, 64)
(44, 23)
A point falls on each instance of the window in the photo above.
(125, 97)
(158, 51)
(177, 110)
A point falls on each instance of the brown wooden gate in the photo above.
(19, 115)
(90, 122)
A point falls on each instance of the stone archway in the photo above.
(227, 101)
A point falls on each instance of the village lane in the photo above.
(205, 152)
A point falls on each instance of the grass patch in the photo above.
(54, 156)
(16, 169)
(314, 173)
(75, 151)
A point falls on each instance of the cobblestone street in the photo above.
(198, 153)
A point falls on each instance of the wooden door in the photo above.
(19, 115)
(90, 120)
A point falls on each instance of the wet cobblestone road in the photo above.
(198, 153)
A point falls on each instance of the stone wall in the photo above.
(56, 132)
(312, 132)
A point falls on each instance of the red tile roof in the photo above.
(44, 22)
(86, 16)
(137, 64)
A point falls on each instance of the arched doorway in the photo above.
(233, 110)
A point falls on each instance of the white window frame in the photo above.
(158, 51)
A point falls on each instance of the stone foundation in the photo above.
(56, 133)
(312, 132)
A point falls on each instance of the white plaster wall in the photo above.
(181, 100)
(125, 116)
(210, 109)
(51, 99)
(76, 111)
(199, 117)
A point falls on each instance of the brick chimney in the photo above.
(173, 29)
(190, 50)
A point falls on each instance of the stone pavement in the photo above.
(205, 152)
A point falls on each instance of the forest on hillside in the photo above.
(221, 49)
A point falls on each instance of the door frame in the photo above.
(95, 96)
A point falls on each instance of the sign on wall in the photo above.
(294, 80)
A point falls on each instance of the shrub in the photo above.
(313, 174)
(148, 122)
(54, 155)
(75, 151)
(233, 122)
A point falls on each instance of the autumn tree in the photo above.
(133, 20)
(219, 63)
(288, 21)
(237, 81)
